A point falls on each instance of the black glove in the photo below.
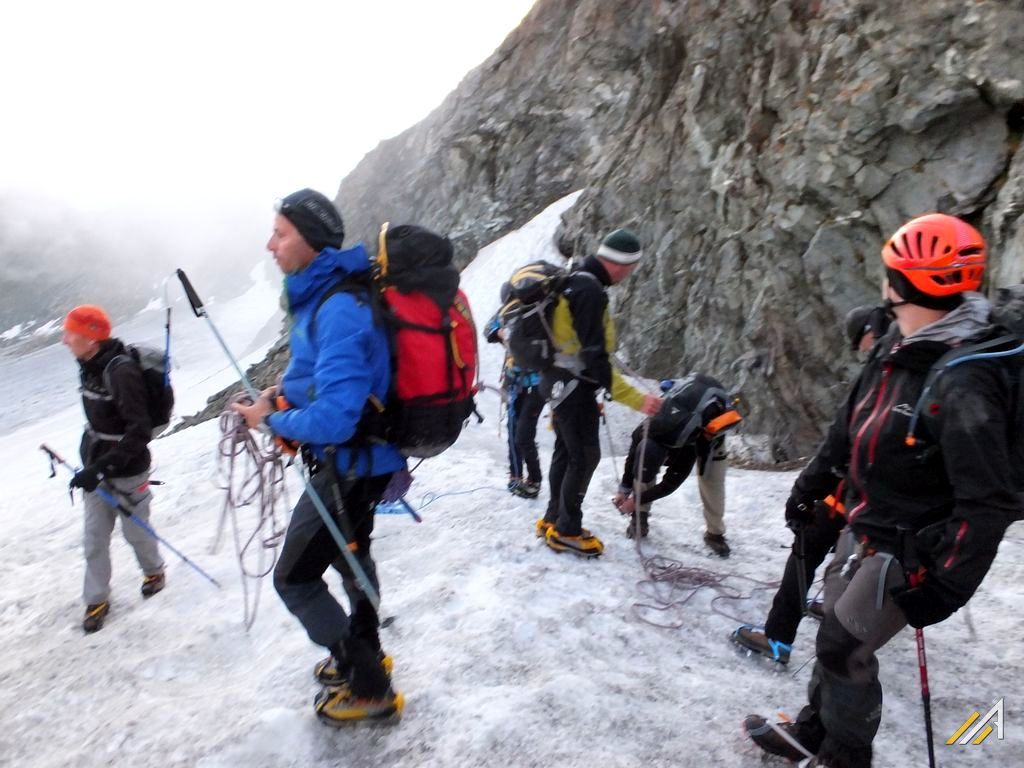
(922, 605)
(87, 479)
(799, 511)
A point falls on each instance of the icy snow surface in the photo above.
(509, 654)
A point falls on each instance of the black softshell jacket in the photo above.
(678, 463)
(117, 438)
(942, 503)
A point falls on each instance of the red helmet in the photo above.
(939, 255)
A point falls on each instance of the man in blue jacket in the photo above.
(340, 367)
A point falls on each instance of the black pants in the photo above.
(524, 409)
(577, 453)
(787, 607)
(309, 550)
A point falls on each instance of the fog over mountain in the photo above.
(56, 256)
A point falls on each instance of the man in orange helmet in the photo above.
(927, 491)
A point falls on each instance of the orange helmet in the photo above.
(939, 255)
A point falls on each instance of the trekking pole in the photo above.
(611, 443)
(357, 570)
(400, 507)
(109, 497)
(200, 311)
(410, 510)
(911, 567)
(167, 334)
(926, 694)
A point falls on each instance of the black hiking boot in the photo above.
(816, 609)
(153, 584)
(754, 639)
(94, 616)
(793, 741)
(716, 543)
(525, 489)
(644, 527)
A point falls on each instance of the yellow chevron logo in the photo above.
(977, 728)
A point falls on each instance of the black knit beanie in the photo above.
(316, 218)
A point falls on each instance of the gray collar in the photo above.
(968, 321)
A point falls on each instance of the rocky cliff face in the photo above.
(763, 150)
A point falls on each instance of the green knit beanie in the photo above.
(621, 247)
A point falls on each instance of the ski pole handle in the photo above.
(190, 292)
(197, 308)
(54, 456)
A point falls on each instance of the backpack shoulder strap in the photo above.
(983, 350)
(114, 362)
(355, 284)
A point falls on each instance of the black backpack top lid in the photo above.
(536, 281)
(411, 247)
(414, 258)
(691, 405)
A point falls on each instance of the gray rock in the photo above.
(764, 150)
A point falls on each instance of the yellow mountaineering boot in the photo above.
(543, 526)
(584, 545)
(330, 673)
(338, 707)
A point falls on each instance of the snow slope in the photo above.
(509, 654)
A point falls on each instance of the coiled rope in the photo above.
(250, 470)
(670, 584)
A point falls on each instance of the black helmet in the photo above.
(693, 404)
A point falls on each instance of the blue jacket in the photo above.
(330, 377)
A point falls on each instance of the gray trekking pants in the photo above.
(99, 525)
(860, 618)
(710, 483)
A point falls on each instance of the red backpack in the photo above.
(433, 340)
(434, 359)
(415, 292)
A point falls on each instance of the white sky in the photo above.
(193, 107)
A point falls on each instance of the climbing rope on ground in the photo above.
(395, 508)
(670, 584)
(250, 471)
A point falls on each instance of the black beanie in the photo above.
(316, 218)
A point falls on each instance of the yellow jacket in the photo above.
(584, 334)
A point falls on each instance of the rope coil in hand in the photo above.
(250, 470)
